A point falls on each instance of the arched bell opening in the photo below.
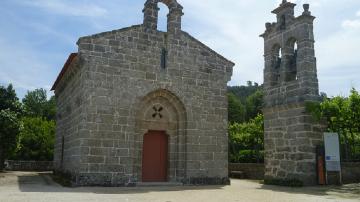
(291, 60)
(151, 15)
(276, 61)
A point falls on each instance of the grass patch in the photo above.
(284, 182)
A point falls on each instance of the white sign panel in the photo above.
(332, 152)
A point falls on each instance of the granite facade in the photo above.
(290, 80)
(116, 83)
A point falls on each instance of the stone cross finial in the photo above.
(284, 1)
(306, 9)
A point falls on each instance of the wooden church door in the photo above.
(155, 157)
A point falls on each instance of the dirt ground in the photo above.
(38, 187)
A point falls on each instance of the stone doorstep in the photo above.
(159, 184)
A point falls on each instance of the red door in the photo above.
(154, 162)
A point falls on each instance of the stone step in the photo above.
(237, 174)
(159, 184)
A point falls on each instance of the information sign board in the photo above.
(332, 152)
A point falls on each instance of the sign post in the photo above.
(332, 154)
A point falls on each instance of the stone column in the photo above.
(151, 12)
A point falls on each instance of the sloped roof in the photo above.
(67, 65)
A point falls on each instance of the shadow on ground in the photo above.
(349, 191)
(42, 182)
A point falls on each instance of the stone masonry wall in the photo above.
(290, 80)
(122, 76)
(12, 165)
(350, 171)
(122, 67)
(253, 171)
(290, 141)
(69, 119)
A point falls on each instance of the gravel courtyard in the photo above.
(30, 186)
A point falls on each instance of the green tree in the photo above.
(354, 106)
(10, 125)
(249, 97)
(254, 104)
(247, 141)
(36, 104)
(9, 100)
(242, 92)
(36, 140)
(50, 109)
(341, 115)
(236, 109)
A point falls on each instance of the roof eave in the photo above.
(65, 68)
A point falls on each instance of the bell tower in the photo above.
(151, 11)
(290, 80)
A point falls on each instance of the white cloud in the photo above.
(234, 34)
(352, 24)
(68, 8)
(230, 27)
(338, 59)
(49, 31)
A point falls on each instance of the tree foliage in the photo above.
(254, 104)
(36, 104)
(10, 124)
(27, 130)
(237, 111)
(9, 100)
(36, 140)
(242, 92)
(246, 130)
(342, 115)
(246, 141)
(245, 102)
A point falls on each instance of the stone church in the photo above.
(138, 105)
(290, 80)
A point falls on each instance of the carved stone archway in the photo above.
(161, 110)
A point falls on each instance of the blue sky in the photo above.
(36, 36)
